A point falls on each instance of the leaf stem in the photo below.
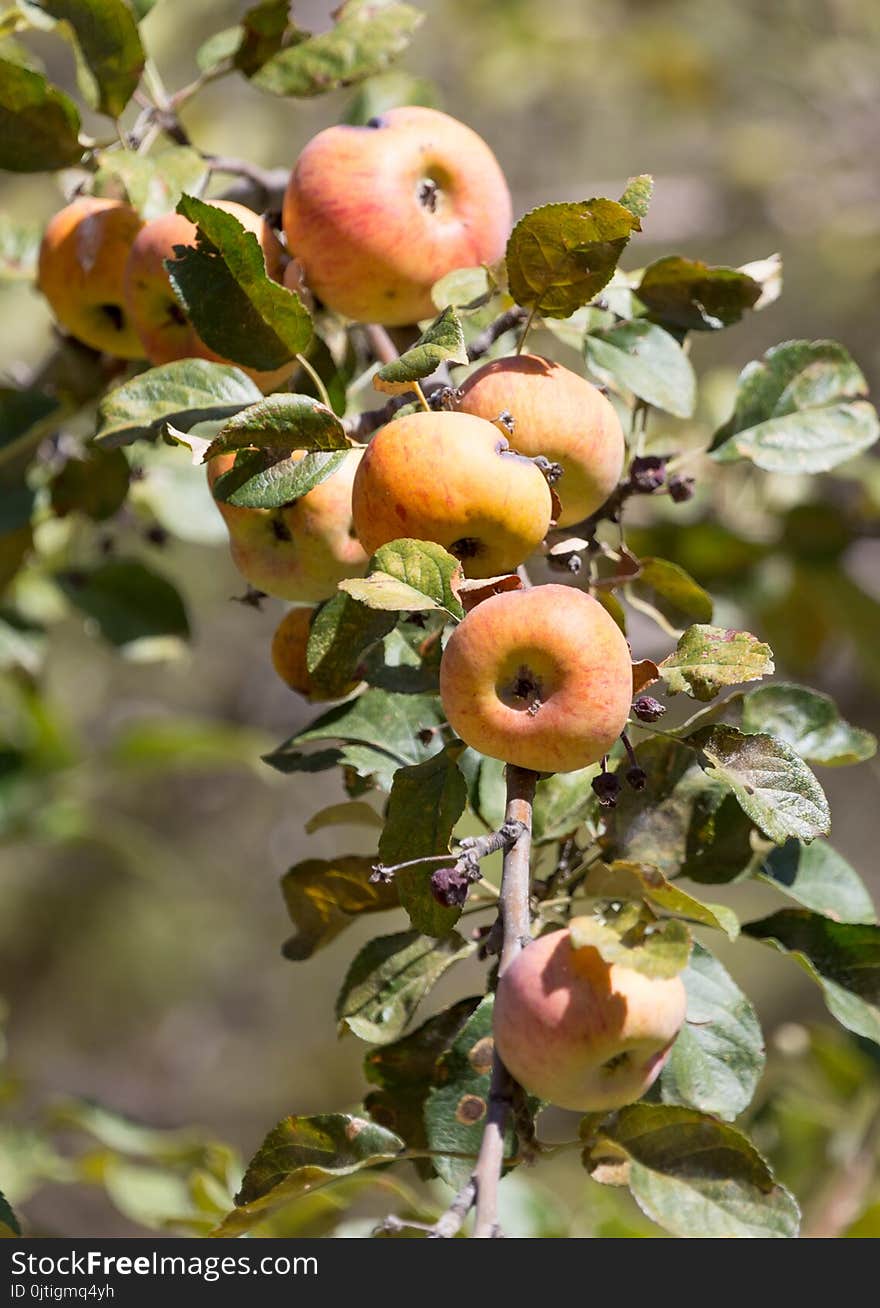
(420, 396)
(526, 328)
(318, 383)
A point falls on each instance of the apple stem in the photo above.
(420, 396)
(516, 926)
(527, 328)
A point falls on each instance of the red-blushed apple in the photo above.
(289, 645)
(164, 329)
(82, 258)
(451, 478)
(582, 1033)
(302, 551)
(541, 678)
(558, 414)
(377, 214)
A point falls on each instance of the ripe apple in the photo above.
(558, 414)
(582, 1033)
(289, 646)
(377, 214)
(451, 478)
(82, 258)
(541, 678)
(302, 551)
(163, 327)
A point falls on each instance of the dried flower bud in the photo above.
(680, 488)
(606, 788)
(648, 709)
(450, 886)
(647, 473)
(637, 778)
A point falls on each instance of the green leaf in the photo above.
(96, 484)
(798, 409)
(694, 1176)
(718, 1057)
(773, 785)
(688, 295)
(390, 977)
(404, 1072)
(409, 576)
(9, 1225)
(808, 721)
(152, 183)
(183, 393)
(259, 480)
(627, 880)
(461, 287)
(235, 306)
(640, 357)
(561, 801)
(561, 255)
(637, 196)
(341, 635)
(262, 34)
(108, 47)
(26, 419)
(843, 958)
(19, 248)
(427, 799)
(819, 878)
(39, 125)
(299, 1156)
(390, 90)
(324, 895)
(673, 592)
(349, 813)
(367, 35)
(684, 822)
(390, 722)
(706, 659)
(634, 939)
(442, 342)
(282, 422)
(456, 1108)
(218, 48)
(127, 601)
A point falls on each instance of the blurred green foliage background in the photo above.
(142, 924)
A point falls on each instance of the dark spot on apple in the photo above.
(468, 547)
(114, 314)
(280, 528)
(376, 121)
(175, 314)
(428, 194)
(617, 1062)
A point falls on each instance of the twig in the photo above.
(265, 179)
(381, 343)
(515, 922)
(483, 343)
(450, 884)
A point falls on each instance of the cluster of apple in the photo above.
(540, 677)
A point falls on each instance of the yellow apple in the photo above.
(582, 1033)
(558, 414)
(82, 258)
(450, 478)
(541, 678)
(377, 214)
(302, 551)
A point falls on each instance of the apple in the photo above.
(376, 214)
(160, 321)
(289, 646)
(541, 678)
(80, 272)
(302, 551)
(451, 478)
(558, 414)
(582, 1033)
